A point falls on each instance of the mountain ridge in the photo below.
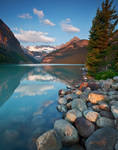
(10, 48)
(73, 51)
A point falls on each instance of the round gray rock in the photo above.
(85, 127)
(49, 141)
(68, 134)
(79, 104)
(102, 139)
(72, 115)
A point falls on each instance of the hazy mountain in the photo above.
(10, 49)
(73, 52)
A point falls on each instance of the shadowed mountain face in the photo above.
(73, 52)
(10, 78)
(10, 49)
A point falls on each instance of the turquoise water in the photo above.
(28, 100)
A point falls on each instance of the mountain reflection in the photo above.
(36, 79)
(67, 74)
(10, 77)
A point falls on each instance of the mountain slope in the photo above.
(73, 52)
(10, 49)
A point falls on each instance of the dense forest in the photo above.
(102, 61)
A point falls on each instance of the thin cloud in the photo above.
(39, 13)
(34, 36)
(25, 16)
(68, 27)
(48, 22)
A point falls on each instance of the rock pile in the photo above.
(90, 117)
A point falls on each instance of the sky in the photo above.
(53, 22)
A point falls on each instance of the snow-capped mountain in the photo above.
(39, 52)
(46, 48)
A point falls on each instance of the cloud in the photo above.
(48, 22)
(68, 27)
(34, 36)
(33, 90)
(39, 13)
(40, 77)
(25, 16)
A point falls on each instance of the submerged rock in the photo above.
(62, 108)
(68, 134)
(102, 139)
(49, 141)
(62, 101)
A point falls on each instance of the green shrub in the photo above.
(106, 74)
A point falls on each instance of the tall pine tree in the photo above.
(102, 31)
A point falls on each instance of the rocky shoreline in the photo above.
(89, 118)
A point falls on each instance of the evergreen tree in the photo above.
(102, 31)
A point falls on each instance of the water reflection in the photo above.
(10, 77)
(29, 95)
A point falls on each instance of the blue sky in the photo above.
(37, 22)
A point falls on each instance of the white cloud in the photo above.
(68, 27)
(48, 22)
(39, 13)
(34, 36)
(33, 90)
(25, 16)
(40, 77)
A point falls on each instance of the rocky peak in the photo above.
(7, 38)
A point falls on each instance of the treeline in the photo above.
(102, 61)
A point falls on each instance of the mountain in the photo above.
(39, 52)
(10, 49)
(73, 52)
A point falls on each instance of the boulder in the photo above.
(85, 127)
(62, 92)
(72, 115)
(69, 105)
(83, 85)
(62, 101)
(91, 115)
(78, 92)
(68, 133)
(49, 141)
(116, 146)
(96, 108)
(115, 78)
(95, 98)
(114, 110)
(105, 122)
(79, 104)
(74, 147)
(107, 84)
(93, 86)
(62, 108)
(104, 106)
(115, 86)
(102, 139)
(106, 114)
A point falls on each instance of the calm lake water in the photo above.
(28, 100)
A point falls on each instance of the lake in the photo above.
(28, 100)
